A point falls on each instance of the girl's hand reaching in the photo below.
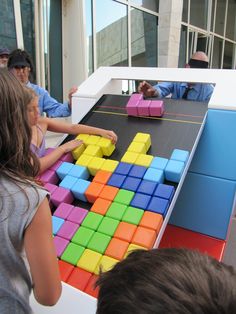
(110, 135)
(71, 145)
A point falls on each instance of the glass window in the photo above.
(7, 25)
(143, 39)
(185, 11)
(111, 33)
(213, 5)
(228, 55)
(220, 17)
(183, 47)
(152, 5)
(89, 35)
(217, 53)
(198, 13)
(231, 20)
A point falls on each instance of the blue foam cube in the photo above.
(174, 170)
(116, 180)
(164, 191)
(137, 171)
(180, 155)
(131, 184)
(155, 175)
(80, 172)
(56, 224)
(158, 205)
(159, 163)
(123, 168)
(140, 200)
(68, 182)
(79, 188)
(64, 169)
(147, 187)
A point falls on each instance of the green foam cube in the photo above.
(72, 253)
(133, 215)
(99, 242)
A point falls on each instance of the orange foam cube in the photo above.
(79, 278)
(93, 191)
(109, 192)
(125, 231)
(100, 206)
(65, 269)
(144, 237)
(151, 220)
(102, 176)
(117, 248)
(90, 288)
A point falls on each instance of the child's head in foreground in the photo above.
(168, 281)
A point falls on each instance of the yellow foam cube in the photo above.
(106, 146)
(92, 140)
(132, 247)
(106, 263)
(82, 137)
(84, 160)
(109, 165)
(143, 138)
(93, 150)
(137, 147)
(89, 260)
(95, 164)
(77, 152)
(144, 160)
(129, 157)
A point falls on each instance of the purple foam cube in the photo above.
(61, 195)
(143, 107)
(60, 245)
(132, 105)
(56, 165)
(156, 108)
(67, 230)
(63, 210)
(67, 157)
(49, 176)
(77, 215)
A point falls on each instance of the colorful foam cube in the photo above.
(83, 137)
(100, 206)
(147, 187)
(99, 242)
(106, 146)
(79, 172)
(49, 176)
(151, 220)
(123, 168)
(109, 165)
(180, 155)
(82, 236)
(164, 191)
(50, 187)
(116, 180)
(77, 215)
(131, 184)
(63, 210)
(56, 165)
(63, 170)
(143, 138)
(137, 171)
(159, 163)
(140, 200)
(143, 160)
(117, 248)
(139, 148)
(154, 175)
(132, 104)
(129, 157)
(143, 107)
(84, 160)
(102, 176)
(72, 253)
(92, 140)
(125, 231)
(93, 191)
(79, 278)
(61, 195)
(133, 247)
(60, 245)
(65, 270)
(79, 188)
(67, 157)
(174, 170)
(67, 230)
(124, 197)
(108, 226)
(106, 263)
(133, 215)
(93, 150)
(56, 224)
(156, 108)
(92, 221)
(68, 182)
(144, 237)
(158, 205)
(116, 211)
(89, 260)
(109, 192)
(91, 288)
(95, 164)
(78, 151)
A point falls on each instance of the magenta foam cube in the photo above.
(156, 108)
(50, 187)
(132, 104)
(67, 157)
(60, 245)
(49, 176)
(143, 107)
(61, 195)
(56, 165)
(77, 215)
(63, 210)
(67, 230)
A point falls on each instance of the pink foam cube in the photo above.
(132, 105)
(61, 195)
(67, 230)
(143, 107)
(50, 187)
(156, 108)
(49, 176)
(60, 245)
(56, 165)
(63, 210)
(77, 215)
(67, 157)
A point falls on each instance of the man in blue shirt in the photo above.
(189, 91)
(21, 65)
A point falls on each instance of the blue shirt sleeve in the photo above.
(164, 89)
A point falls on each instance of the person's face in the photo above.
(21, 73)
(33, 111)
(3, 61)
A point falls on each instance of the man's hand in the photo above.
(71, 92)
(147, 90)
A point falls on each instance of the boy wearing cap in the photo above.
(4, 55)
